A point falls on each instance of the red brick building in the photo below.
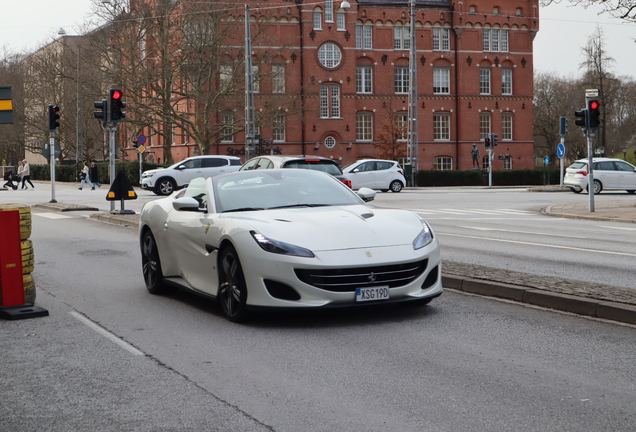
(350, 71)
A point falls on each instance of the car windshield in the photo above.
(314, 164)
(268, 189)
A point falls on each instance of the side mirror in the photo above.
(186, 204)
(366, 194)
(181, 167)
(356, 170)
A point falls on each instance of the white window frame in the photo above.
(484, 81)
(443, 163)
(330, 55)
(330, 142)
(401, 37)
(364, 79)
(441, 39)
(401, 79)
(329, 11)
(401, 120)
(485, 125)
(256, 82)
(441, 80)
(485, 162)
(227, 132)
(278, 128)
(329, 101)
(496, 40)
(341, 21)
(317, 20)
(506, 81)
(507, 163)
(225, 77)
(441, 127)
(278, 78)
(364, 127)
(506, 126)
(364, 36)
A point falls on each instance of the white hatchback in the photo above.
(379, 174)
(608, 173)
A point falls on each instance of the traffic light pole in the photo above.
(590, 157)
(111, 161)
(52, 160)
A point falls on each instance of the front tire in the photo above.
(165, 186)
(232, 287)
(151, 265)
(396, 186)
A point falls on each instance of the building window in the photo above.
(329, 101)
(506, 81)
(401, 79)
(330, 142)
(329, 55)
(441, 127)
(495, 40)
(328, 10)
(278, 78)
(484, 81)
(363, 79)
(256, 83)
(485, 162)
(278, 131)
(317, 20)
(364, 36)
(364, 127)
(340, 21)
(443, 163)
(441, 39)
(401, 38)
(227, 133)
(506, 127)
(441, 80)
(484, 126)
(495, 10)
(402, 132)
(507, 163)
(473, 10)
(225, 78)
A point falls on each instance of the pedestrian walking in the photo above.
(84, 177)
(95, 174)
(20, 170)
(26, 175)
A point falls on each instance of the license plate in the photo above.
(372, 293)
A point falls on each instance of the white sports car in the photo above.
(286, 238)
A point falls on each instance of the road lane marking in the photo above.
(539, 244)
(101, 330)
(618, 228)
(523, 232)
(53, 215)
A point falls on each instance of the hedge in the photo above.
(70, 173)
(521, 177)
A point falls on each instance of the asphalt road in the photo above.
(462, 363)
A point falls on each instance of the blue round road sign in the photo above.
(561, 150)
(141, 139)
(546, 160)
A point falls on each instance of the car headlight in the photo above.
(424, 238)
(147, 175)
(279, 247)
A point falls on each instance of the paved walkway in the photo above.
(590, 299)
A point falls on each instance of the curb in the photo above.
(613, 311)
(548, 212)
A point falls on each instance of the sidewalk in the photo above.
(583, 298)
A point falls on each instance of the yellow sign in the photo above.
(141, 149)
(6, 105)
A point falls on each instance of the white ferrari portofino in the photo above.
(286, 238)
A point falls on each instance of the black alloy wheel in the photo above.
(151, 265)
(232, 289)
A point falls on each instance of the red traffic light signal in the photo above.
(53, 117)
(594, 113)
(116, 105)
(487, 142)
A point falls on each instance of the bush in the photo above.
(70, 173)
(522, 177)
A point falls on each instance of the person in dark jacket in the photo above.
(95, 174)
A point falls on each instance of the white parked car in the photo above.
(379, 174)
(166, 180)
(286, 238)
(608, 173)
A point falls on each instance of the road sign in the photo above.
(591, 92)
(561, 150)
(546, 160)
(141, 149)
(141, 139)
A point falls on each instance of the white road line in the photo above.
(619, 228)
(52, 215)
(523, 232)
(101, 330)
(540, 244)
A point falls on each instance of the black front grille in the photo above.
(348, 279)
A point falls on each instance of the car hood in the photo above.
(335, 228)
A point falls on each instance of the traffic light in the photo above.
(594, 113)
(493, 140)
(103, 111)
(135, 143)
(563, 126)
(581, 118)
(116, 105)
(486, 142)
(53, 117)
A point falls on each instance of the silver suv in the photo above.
(376, 174)
(609, 174)
(166, 180)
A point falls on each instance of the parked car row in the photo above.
(376, 174)
(608, 174)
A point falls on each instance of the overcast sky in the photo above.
(557, 47)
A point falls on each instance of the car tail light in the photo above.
(401, 172)
(582, 172)
(348, 183)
